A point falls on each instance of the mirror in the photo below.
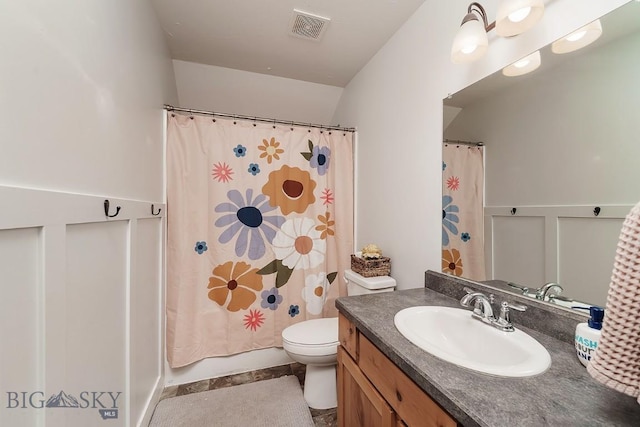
(561, 161)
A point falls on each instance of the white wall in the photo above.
(82, 86)
(396, 102)
(225, 90)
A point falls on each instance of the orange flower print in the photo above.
(291, 189)
(270, 150)
(234, 286)
(325, 229)
(451, 262)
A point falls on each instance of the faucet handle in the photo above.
(518, 307)
(504, 320)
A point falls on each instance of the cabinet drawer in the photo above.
(347, 336)
(411, 403)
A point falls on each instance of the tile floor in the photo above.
(321, 418)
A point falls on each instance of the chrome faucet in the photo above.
(552, 288)
(483, 311)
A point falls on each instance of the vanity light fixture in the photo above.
(523, 66)
(471, 41)
(579, 38)
(514, 17)
(517, 16)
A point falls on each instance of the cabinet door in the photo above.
(359, 404)
(408, 400)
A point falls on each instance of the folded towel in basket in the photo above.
(616, 362)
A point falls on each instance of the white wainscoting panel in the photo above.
(80, 337)
(21, 334)
(147, 309)
(586, 251)
(520, 240)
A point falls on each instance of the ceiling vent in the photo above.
(307, 26)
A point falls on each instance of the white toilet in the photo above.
(315, 343)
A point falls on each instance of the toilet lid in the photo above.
(313, 332)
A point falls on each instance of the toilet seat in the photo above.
(314, 337)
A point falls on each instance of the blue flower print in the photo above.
(444, 166)
(246, 217)
(465, 237)
(320, 157)
(240, 151)
(254, 168)
(271, 299)
(294, 310)
(448, 218)
(201, 247)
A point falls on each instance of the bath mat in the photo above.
(275, 402)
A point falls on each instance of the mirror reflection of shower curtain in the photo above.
(462, 211)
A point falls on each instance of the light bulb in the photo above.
(468, 49)
(520, 14)
(522, 63)
(576, 36)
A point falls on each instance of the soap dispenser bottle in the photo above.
(588, 335)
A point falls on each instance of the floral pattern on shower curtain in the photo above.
(260, 231)
(463, 211)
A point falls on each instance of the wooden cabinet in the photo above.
(373, 391)
(359, 404)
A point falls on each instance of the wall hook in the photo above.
(157, 213)
(106, 209)
(596, 210)
(513, 211)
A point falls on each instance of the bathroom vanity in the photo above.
(385, 380)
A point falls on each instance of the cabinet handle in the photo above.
(398, 396)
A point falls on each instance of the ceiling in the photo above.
(253, 35)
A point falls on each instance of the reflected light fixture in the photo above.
(514, 17)
(579, 38)
(523, 66)
(517, 16)
(471, 41)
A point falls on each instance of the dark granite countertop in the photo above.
(565, 395)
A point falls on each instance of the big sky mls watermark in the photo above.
(105, 402)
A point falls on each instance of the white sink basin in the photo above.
(453, 335)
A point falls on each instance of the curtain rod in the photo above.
(256, 119)
(457, 141)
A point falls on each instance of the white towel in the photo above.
(616, 362)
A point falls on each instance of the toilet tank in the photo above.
(360, 285)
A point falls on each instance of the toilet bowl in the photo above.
(314, 343)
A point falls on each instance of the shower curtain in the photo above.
(260, 231)
(463, 211)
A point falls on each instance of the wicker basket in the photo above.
(371, 267)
